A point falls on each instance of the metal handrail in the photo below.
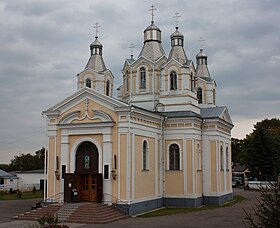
(50, 199)
(124, 205)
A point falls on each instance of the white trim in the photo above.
(193, 168)
(133, 167)
(119, 166)
(180, 155)
(185, 166)
(156, 165)
(147, 155)
(74, 151)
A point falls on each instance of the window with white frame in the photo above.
(199, 95)
(174, 157)
(145, 155)
(173, 80)
(108, 88)
(88, 83)
(142, 78)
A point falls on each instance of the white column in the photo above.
(156, 166)
(133, 166)
(185, 165)
(107, 159)
(64, 159)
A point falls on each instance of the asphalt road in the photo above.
(222, 217)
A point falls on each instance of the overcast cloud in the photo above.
(44, 44)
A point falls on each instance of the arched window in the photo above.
(145, 155)
(88, 83)
(222, 158)
(173, 80)
(174, 157)
(142, 78)
(108, 88)
(214, 96)
(199, 95)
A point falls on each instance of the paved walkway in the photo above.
(222, 217)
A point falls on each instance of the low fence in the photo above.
(255, 185)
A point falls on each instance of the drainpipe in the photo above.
(202, 161)
(163, 120)
(45, 159)
(128, 158)
(154, 81)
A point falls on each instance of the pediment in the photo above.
(79, 98)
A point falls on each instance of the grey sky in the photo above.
(44, 44)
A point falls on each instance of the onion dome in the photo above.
(96, 61)
(202, 68)
(177, 51)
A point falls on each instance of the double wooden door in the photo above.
(88, 187)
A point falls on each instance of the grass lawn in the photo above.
(24, 195)
(178, 210)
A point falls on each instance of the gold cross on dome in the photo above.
(177, 16)
(153, 8)
(96, 28)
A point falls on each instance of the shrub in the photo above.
(34, 190)
(19, 194)
(11, 190)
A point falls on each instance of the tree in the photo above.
(260, 150)
(25, 162)
(267, 211)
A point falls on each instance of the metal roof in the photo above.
(178, 114)
(4, 174)
(96, 62)
(178, 53)
(152, 50)
(213, 112)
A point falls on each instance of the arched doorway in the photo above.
(88, 180)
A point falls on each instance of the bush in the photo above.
(34, 190)
(19, 194)
(267, 211)
(11, 191)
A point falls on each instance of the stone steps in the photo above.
(77, 213)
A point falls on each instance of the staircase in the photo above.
(50, 210)
(77, 213)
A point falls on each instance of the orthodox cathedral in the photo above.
(162, 142)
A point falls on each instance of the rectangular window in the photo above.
(115, 162)
(63, 171)
(106, 172)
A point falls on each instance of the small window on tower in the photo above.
(173, 80)
(88, 83)
(142, 78)
(108, 88)
(199, 95)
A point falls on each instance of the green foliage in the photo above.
(50, 221)
(19, 194)
(25, 162)
(267, 211)
(260, 150)
(23, 195)
(34, 190)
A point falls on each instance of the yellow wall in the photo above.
(174, 179)
(213, 166)
(144, 179)
(51, 167)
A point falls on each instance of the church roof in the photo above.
(178, 53)
(212, 112)
(152, 50)
(96, 62)
(180, 114)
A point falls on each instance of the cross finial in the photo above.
(131, 49)
(177, 15)
(201, 40)
(96, 29)
(153, 8)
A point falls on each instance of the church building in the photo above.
(163, 141)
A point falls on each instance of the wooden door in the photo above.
(88, 184)
(69, 185)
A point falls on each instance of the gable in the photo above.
(85, 105)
